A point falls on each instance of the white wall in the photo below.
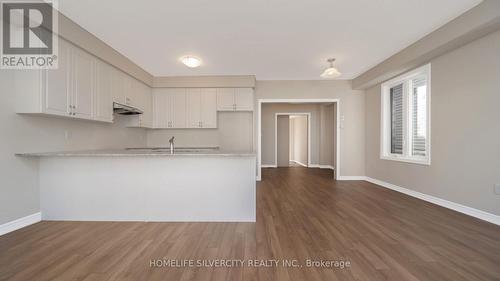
(352, 108)
(465, 130)
(298, 138)
(19, 195)
(234, 132)
(327, 135)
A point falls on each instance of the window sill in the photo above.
(426, 162)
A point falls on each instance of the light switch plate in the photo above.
(497, 188)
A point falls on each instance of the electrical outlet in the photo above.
(497, 188)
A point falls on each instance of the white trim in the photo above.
(482, 215)
(299, 163)
(20, 223)
(259, 128)
(351, 178)
(385, 154)
(268, 166)
(308, 135)
(322, 166)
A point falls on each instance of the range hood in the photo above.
(122, 109)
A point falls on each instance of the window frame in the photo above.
(385, 118)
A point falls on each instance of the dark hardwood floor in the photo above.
(301, 214)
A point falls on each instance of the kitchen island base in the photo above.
(140, 188)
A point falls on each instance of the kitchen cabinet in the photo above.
(235, 99)
(170, 108)
(102, 99)
(66, 91)
(83, 80)
(141, 97)
(202, 108)
(82, 87)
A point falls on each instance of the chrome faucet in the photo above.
(171, 141)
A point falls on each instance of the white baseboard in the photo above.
(299, 163)
(322, 166)
(482, 215)
(351, 178)
(268, 166)
(20, 223)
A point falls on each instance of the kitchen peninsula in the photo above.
(147, 185)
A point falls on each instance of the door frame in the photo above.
(259, 129)
(308, 114)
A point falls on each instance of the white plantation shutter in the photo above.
(419, 117)
(396, 99)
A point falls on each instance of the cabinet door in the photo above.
(161, 111)
(178, 109)
(130, 95)
(209, 108)
(83, 84)
(103, 101)
(225, 99)
(117, 86)
(243, 98)
(194, 104)
(56, 88)
(147, 106)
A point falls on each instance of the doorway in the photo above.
(266, 133)
(292, 139)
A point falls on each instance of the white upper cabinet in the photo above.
(208, 108)
(178, 108)
(202, 108)
(169, 108)
(67, 91)
(141, 96)
(55, 86)
(82, 87)
(243, 99)
(102, 98)
(225, 99)
(83, 84)
(235, 99)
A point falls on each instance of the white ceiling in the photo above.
(272, 39)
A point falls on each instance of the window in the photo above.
(405, 130)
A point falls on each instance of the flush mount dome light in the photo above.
(330, 72)
(191, 61)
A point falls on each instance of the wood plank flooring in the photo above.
(301, 214)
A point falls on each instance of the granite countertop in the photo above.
(141, 152)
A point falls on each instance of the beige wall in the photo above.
(283, 140)
(19, 194)
(298, 138)
(352, 108)
(327, 135)
(234, 132)
(465, 130)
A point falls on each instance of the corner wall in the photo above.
(465, 130)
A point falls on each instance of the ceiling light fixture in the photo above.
(330, 72)
(191, 61)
